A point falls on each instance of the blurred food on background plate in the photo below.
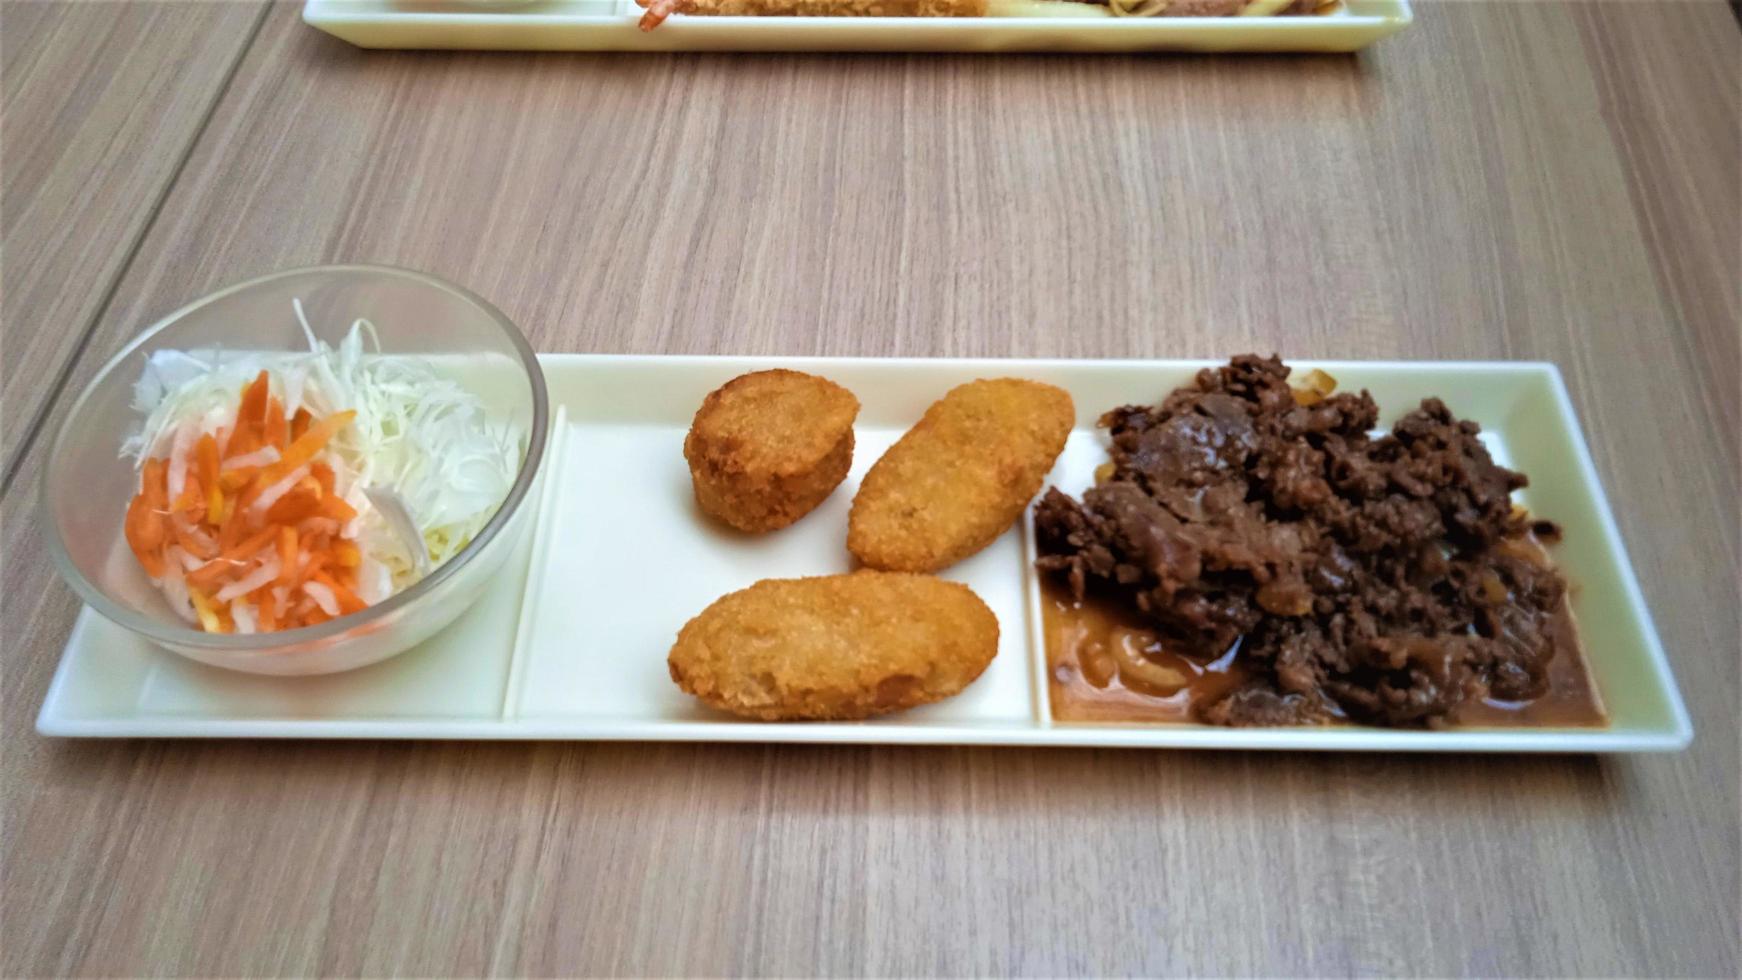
(659, 10)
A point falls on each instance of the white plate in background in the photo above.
(610, 25)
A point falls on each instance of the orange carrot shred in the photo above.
(231, 531)
(346, 555)
(144, 522)
(275, 431)
(190, 497)
(233, 480)
(253, 545)
(155, 484)
(335, 507)
(302, 501)
(286, 555)
(191, 543)
(304, 448)
(251, 415)
(206, 455)
(348, 601)
(207, 576)
(316, 559)
(242, 442)
(232, 559)
(132, 527)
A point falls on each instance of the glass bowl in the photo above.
(87, 483)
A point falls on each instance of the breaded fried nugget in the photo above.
(960, 477)
(659, 10)
(836, 647)
(766, 448)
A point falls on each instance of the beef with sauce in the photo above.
(1387, 580)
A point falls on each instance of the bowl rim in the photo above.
(177, 634)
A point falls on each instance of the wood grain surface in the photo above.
(1503, 180)
(100, 103)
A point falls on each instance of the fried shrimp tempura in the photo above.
(659, 10)
(767, 447)
(961, 476)
(837, 647)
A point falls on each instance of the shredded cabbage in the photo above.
(419, 434)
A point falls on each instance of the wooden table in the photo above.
(1503, 180)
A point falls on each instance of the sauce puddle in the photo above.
(1105, 665)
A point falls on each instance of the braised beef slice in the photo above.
(1387, 580)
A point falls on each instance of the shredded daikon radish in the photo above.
(264, 575)
(272, 494)
(323, 597)
(259, 457)
(242, 615)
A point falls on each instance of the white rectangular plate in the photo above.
(572, 644)
(610, 25)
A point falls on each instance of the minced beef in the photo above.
(1383, 580)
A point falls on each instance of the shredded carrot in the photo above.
(144, 518)
(286, 555)
(348, 601)
(334, 506)
(155, 485)
(232, 558)
(192, 497)
(235, 524)
(145, 548)
(234, 479)
(252, 412)
(347, 555)
(275, 431)
(242, 441)
(316, 560)
(193, 541)
(303, 501)
(303, 449)
(213, 519)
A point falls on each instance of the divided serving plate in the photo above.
(571, 642)
(610, 25)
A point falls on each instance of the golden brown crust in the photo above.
(766, 448)
(659, 10)
(836, 647)
(961, 476)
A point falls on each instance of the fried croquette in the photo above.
(836, 647)
(659, 10)
(961, 476)
(766, 448)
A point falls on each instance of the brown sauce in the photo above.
(1104, 665)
